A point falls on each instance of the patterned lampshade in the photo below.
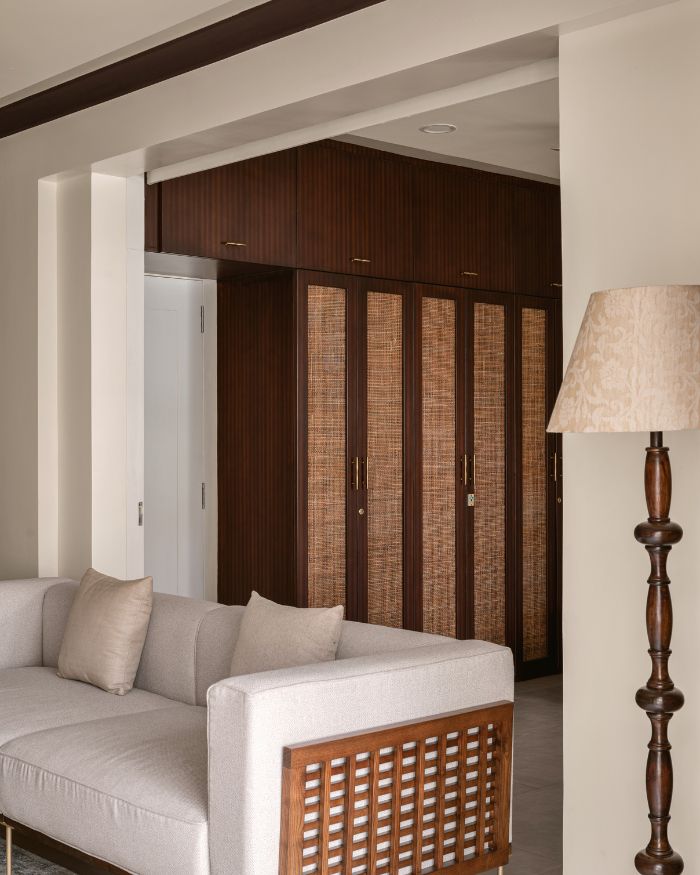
(636, 363)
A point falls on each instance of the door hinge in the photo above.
(201, 319)
(204, 496)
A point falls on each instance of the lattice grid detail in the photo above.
(421, 805)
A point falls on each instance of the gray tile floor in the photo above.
(537, 786)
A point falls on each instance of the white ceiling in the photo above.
(513, 129)
(45, 41)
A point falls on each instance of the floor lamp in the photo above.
(635, 368)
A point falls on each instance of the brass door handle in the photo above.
(556, 285)
(555, 467)
(355, 473)
(469, 273)
(361, 260)
(232, 243)
(465, 465)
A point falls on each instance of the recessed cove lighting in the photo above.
(439, 129)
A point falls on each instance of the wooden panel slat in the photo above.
(401, 806)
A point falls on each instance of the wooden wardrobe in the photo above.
(384, 388)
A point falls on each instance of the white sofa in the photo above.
(182, 776)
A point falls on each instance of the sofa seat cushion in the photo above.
(130, 790)
(33, 699)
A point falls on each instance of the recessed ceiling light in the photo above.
(439, 129)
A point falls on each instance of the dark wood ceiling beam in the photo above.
(251, 28)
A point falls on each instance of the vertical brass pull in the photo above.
(355, 473)
(555, 467)
(365, 473)
(465, 465)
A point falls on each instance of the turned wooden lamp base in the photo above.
(659, 698)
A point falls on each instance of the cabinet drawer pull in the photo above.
(556, 285)
(232, 243)
(469, 273)
(361, 260)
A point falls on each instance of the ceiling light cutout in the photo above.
(441, 128)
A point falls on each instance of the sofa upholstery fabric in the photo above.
(131, 789)
(134, 780)
(34, 699)
(106, 631)
(21, 620)
(251, 719)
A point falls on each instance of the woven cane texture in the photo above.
(384, 473)
(439, 414)
(490, 471)
(534, 484)
(326, 446)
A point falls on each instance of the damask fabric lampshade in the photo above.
(635, 364)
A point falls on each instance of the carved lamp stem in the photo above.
(659, 698)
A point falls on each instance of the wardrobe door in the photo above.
(326, 418)
(488, 468)
(439, 426)
(537, 379)
(384, 411)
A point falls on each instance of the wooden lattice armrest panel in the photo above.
(407, 799)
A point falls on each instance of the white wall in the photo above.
(630, 170)
(90, 367)
(73, 386)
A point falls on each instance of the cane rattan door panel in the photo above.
(382, 469)
(327, 445)
(439, 453)
(488, 472)
(534, 550)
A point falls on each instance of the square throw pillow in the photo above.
(106, 631)
(277, 636)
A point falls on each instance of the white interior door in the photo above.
(174, 449)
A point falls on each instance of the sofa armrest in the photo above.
(252, 718)
(21, 621)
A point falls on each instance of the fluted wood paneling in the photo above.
(536, 215)
(463, 227)
(327, 446)
(439, 413)
(385, 455)
(355, 203)
(252, 202)
(489, 399)
(534, 484)
(256, 443)
(152, 217)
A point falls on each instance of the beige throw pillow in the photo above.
(276, 636)
(106, 631)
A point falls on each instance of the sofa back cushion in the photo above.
(190, 644)
(188, 647)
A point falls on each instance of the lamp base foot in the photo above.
(646, 864)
